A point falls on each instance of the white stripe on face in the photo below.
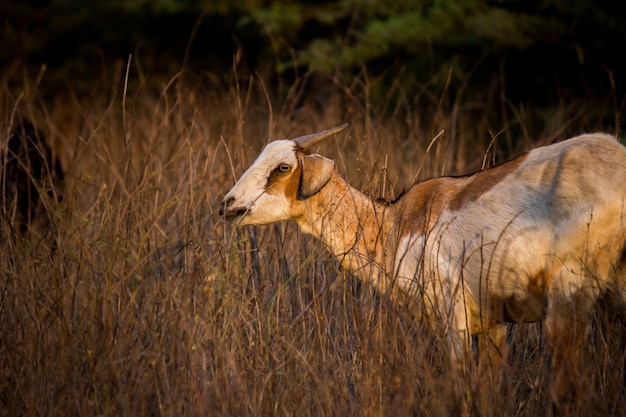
(250, 194)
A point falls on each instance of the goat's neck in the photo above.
(353, 226)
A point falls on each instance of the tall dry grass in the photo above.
(138, 299)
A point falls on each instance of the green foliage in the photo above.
(559, 46)
(365, 30)
(551, 38)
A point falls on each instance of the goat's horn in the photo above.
(307, 141)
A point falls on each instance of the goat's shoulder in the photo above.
(425, 201)
(422, 204)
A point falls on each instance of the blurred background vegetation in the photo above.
(543, 53)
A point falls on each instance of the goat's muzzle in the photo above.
(231, 213)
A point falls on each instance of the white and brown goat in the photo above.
(536, 238)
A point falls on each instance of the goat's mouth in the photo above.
(232, 215)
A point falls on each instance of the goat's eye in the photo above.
(283, 168)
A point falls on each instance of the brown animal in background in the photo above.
(28, 171)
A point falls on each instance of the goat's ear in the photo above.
(315, 174)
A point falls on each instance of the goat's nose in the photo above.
(224, 206)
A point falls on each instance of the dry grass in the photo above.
(151, 305)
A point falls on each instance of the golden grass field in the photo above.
(138, 300)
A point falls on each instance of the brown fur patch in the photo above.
(292, 183)
(420, 207)
(483, 181)
(286, 182)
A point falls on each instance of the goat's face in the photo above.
(276, 185)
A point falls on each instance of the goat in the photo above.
(537, 238)
(28, 170)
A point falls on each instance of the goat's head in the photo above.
(276, 184)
